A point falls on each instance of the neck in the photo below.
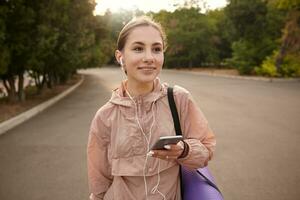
(139, 89)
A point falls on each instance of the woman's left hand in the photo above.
(172, 152)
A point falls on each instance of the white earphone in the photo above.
(121, 61)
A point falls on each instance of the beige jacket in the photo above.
(117, 148)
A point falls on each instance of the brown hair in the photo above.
(137, 22)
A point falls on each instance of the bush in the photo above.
(290, 66)
(243, 57)
(267, 68)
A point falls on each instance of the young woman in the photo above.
(121, 164)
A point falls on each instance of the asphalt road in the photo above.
(257, 125)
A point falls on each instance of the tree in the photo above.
(223, 35)
(191, 37)
(18, 26)
(290, 40)
(285, 60)
(4, 51)
(44, 39)
(254, 32)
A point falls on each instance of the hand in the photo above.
(172, 152)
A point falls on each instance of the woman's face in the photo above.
(143, 55)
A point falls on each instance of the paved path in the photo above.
(256, 124)
(45, 158)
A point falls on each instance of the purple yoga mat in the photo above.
(195, 186)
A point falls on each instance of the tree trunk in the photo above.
(190, 65)
(50, 81)
(280, 56)
(291, 39)
(42, 83)
(38, 83)
(11, 89)
(5, 85)
(21, 92)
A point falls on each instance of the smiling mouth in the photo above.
(147, 68)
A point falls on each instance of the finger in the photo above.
(167, 158)
(178, 146)
(165, 153)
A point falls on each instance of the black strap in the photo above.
(177, 126)
(174, 112)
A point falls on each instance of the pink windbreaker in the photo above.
(117, 165)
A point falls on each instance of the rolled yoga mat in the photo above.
(195, 187)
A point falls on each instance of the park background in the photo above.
(47, 41)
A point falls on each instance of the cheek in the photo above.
(160, 60)
(132, 62)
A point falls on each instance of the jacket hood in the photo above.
(119, 96)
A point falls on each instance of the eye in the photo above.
(138, 49)
(157, 49)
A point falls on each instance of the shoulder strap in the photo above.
(179, 132)
(174, 111)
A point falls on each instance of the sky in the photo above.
(146, 5)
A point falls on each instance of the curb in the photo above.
(241, 77)
(13, 122)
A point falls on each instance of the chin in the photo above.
(148, 78)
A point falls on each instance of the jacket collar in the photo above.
(119, 96)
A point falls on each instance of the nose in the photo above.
(148, 58)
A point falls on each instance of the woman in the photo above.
(121, 164)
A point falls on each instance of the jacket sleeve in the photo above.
(99, 170)
(196, 132)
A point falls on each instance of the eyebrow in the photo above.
(154, 44)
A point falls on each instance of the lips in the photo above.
(147, 68)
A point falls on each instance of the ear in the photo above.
(118, 56)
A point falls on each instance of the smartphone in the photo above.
(164, 140)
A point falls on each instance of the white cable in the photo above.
(155, 188)
(145, 164)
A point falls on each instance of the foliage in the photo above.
(285, 4)
(43, 38)
(242, 57)
(18, 21)
(290, 66)
(267, 68)
(257, 28)
(4, 51)
(52, 39)
(223, 34)
(192, 37)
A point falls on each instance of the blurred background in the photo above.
(48, 46)
(47, 41)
